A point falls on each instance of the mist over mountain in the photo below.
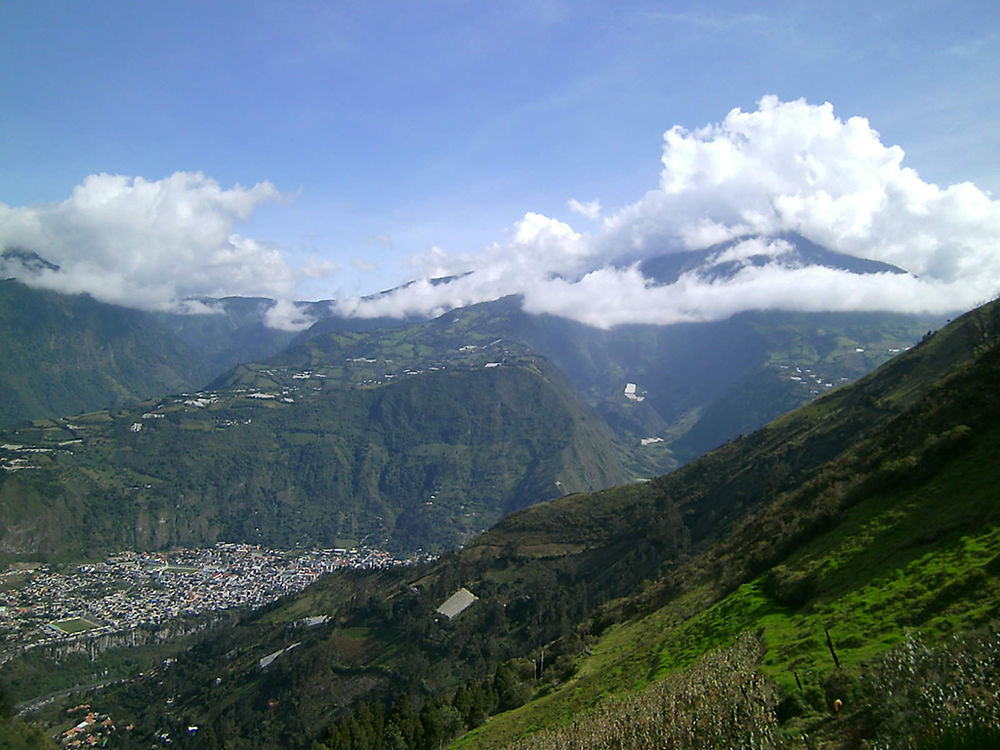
(726, 260)
(669, 392)
(68, 353)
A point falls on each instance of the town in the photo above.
(40, 605)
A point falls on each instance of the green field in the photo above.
(73, 625)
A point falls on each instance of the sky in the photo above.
(308, 150)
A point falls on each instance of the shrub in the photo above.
(789, 588)
(924, 696)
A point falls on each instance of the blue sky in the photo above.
(390, 128)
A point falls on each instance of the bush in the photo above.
(936, 697)
(789, 588)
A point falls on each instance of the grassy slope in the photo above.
(909, 538)
(900, 561)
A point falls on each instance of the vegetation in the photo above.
(721, 700)
(64, 354)
(422, 461)
(702, 383)
(14, 733)
(815, 545)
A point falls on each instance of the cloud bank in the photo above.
(152, 244)
(785, 167)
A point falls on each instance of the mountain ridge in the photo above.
(696, 384)
(604, 582)
(416, 463)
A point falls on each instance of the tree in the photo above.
(510, 692)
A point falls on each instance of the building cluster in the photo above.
(808, 379)
(135, 589)
(20, 457)
(90, 730)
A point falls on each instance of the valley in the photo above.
(46, 608)
(499, 376)
(849, 527)
(295, 526)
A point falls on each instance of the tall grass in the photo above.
(946, 695)
(719, 701)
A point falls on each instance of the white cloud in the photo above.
(286, 316)
(753, 247)
(609, 297)
(151, 243)
(590, 209)
(785, 167)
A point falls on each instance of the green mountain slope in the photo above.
(869, 513)
(899, 535)
(696, 384)
(421, 461)
(63, 354)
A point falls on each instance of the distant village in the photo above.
(41, 606)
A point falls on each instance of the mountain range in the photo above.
(773, 590)
(819, 578)
(375, 431)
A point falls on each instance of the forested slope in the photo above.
(425, 461)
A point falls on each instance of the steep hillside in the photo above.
(63, 354)
(869, 513)
(669, 392)
(880, 566)
(424, 460)
(696, 385)
(235, 331)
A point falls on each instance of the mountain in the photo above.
(787, 584)
(67, 353)
(693, 386)
(696, 385)
(726, 259)
(308, 450)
